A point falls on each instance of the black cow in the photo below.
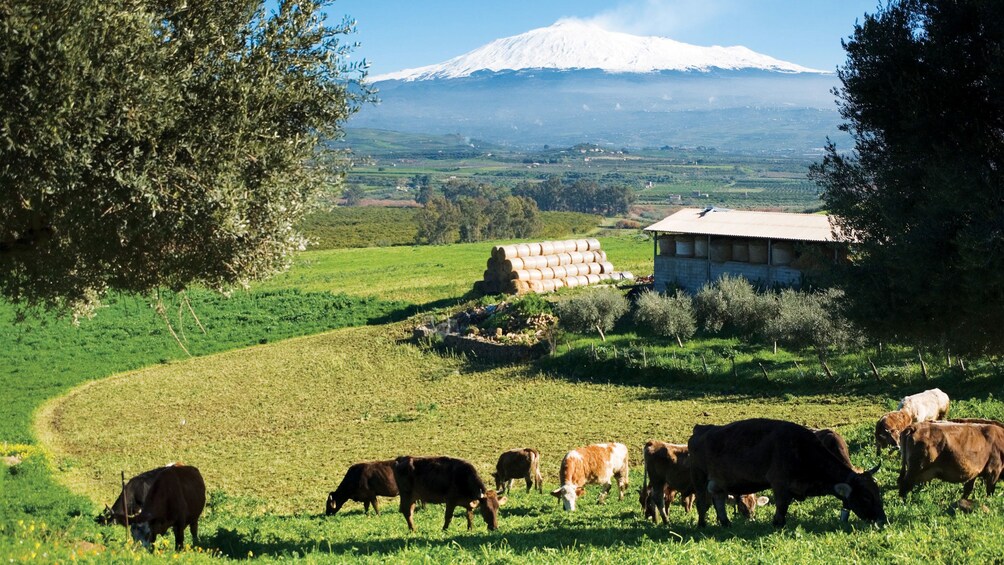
(130, 500)
(752, 455)
(444, 480)
(176, 499)
(363, 482)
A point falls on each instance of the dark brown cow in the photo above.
(445, 480)
(176, 499)
(363, 482)
(518, 464)
(952, 452)
(667, 472)
(752, 455)
(130, 499)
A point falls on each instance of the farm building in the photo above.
(695, 246)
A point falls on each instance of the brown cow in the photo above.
(176, 499)
(130, 500)
(518, 464)
(592, 464)
(445, 480)
(888, 429)
(952, 452)
(363, 482)
(752, 455)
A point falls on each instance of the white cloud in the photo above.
(658, 17)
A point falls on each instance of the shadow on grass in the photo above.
(634, 532)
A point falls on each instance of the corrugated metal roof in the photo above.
(740, 223)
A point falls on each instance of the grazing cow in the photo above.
(176, 499)
(130, 500)
(518, 464)
(921, 407)
(667, 471)
(953, 452)
(592, 464)
(752, 455)
(926, 406)
(445, 480)
(363, 482)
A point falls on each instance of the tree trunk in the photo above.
(874, 370)
(599, 329)
(923, 366)
(678, 340)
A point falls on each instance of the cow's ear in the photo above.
(579, 491)
(503, 500)
(473, 504)
(843, 490)
(762, 501)
(556, 493)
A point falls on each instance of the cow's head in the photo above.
(647, 504)
(141, 532)
(332, 506)
(889, 427)
(567, 493)
(860, 494)
(498, 483)
(746, 504)
(489, 504)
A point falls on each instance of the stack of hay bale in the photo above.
(547, 266)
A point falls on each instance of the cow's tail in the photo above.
(538, 479)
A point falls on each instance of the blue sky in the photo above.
(399, 34)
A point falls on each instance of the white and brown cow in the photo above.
(592, 464)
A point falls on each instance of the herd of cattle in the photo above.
(719, 466)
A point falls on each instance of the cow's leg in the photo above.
(702, 498)
(408, 509)
(194, 527)
(450, 507)
(967, 489)
(366, 507)
(470, 518)
(604, 492)
(782, 500)
(622, 485)
(658, 501)
(179, 536)
(529, 483)
(373, 501)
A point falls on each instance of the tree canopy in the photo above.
(150, 144)
(922, 193)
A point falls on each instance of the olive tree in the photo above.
(597, 309)
(148, 144)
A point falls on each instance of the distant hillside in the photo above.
(402, 145)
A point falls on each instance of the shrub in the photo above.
(732, 304)
(671, 316)
(596, 310)
(812, 320)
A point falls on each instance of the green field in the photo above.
(273, 426)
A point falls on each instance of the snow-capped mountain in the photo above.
(574, 44)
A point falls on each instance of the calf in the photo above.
(592, 464)
(444, 480)
(518, 464)
(667, 472)
(888, 429)
(952, 452)
(130, 501)
(363, 482)
(176, 499)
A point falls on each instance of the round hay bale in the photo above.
(547, 273)
(782, 253)
(701, 247)
(601, 254)
(583, 280)
(594, 268)
(758, 251)
(536, 286)
(507, 252)
(534, 274)
(593, 243)
(667, 245)
(547, 285)
(740, 250)
(564, 259)
(558, 247)
(535, 249)
(608, 267)
(628, 276)
(721, 250)
(559, 272)
(521, 275)
(496, 252)
(593, 279)
(684, 246)
(522, 250)
(579, 269)
(576, 256)
(606, 277)
(571, 282)
(558, 283)
(552, 260)
(547, 248)
(581, 245)
(514, 264)
(534, 262)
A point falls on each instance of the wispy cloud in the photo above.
(658, 17)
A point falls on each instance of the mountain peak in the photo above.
(578, 44)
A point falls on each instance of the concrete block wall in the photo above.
(691, 274)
